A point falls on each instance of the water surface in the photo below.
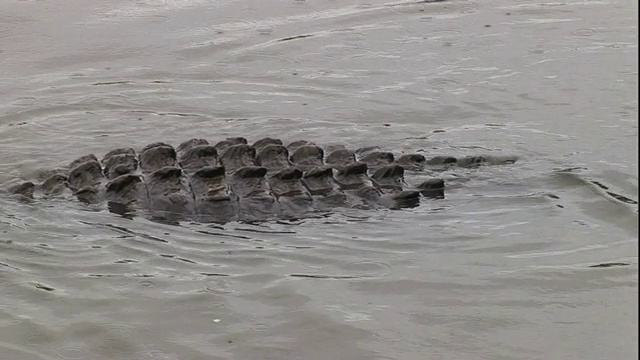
(502, 268)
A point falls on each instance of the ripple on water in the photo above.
(215, 305)
(147, 283)
(156, 355)
(11, 351)
(492, 263)
(73, 353)
(220, 286)
(354, 270)
(261, 327)
(584, 32)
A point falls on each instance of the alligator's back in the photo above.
(232, 180)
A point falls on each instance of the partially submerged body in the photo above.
(233, 180)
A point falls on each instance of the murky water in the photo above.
(500, 269)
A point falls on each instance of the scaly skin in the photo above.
(235, 181)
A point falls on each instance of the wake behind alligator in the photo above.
(235, 181)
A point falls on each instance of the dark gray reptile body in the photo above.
(233, 180)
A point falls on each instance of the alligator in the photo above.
(235, 181)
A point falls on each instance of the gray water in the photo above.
(502, 268)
